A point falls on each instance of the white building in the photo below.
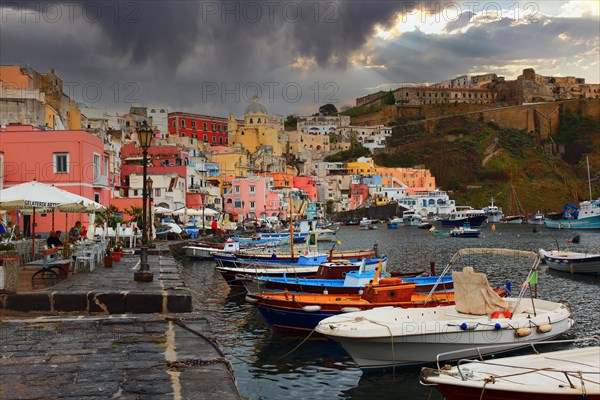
(160, 119)
(322, 125)
(168, 190)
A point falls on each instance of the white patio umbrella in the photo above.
(36, 197)
(162, 210)
(209, 212)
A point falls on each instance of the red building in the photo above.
(71, 160)
(205, 128)
(307, 185)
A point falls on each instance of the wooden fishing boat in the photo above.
(552, 375)
(569, 261)
(306, 266)
(353, 282)
(304, 311)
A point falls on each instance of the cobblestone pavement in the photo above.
(116, 356)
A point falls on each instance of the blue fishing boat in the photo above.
(354, 282)
(305, 265)
(587, 216)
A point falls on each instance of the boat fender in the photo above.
(468, 326)
(250, 299)
(544, 328)
(325, 291)
(311, 308)
(497, 326)
(349, 309)
(522, 332)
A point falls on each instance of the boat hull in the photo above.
(458, 222)
(584, 223)
(423, 349)
(452, 392)
(574, 265)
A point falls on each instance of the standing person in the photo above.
(75, 232)
(215, 226)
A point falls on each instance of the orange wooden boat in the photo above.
(305, 310)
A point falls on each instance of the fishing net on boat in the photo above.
(473, 294)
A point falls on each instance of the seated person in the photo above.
(54, 239)
(75, 232)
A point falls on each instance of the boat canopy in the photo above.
(473, 294)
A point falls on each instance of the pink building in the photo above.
(252, 198)
(307, 185)
(417, 179)
(359, 192)
(71, 160)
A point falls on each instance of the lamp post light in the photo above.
(149, 184)
(145, 135)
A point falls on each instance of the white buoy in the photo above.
(311, 308)
(350, 309)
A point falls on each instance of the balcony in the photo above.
(101, 180)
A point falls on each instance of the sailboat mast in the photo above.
(587, 161)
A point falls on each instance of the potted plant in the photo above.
(117, 251)
(9, 260)
(108, 257)
(8, 252)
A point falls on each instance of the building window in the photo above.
(174, 124)
(204, 126)
(61, 163)
(237, 203)
(252, 189)
(193, 124)
(252, 205)
(157, 192)
(205, 137)
(96, 166)
(214, 139)
(213, 127)
(183, 123)
(236, 189)
(106, 166)
(221, 140)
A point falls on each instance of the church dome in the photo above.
(255, 107)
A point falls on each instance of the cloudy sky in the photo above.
(214, 56)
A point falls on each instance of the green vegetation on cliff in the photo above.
(477, 160)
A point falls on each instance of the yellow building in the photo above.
(257, 130)
(301, 141)
(51, 115)
(74, 116)
(231, 162)
(363, 166)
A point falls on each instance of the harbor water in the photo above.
(275, 365)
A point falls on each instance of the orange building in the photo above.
(417, 179)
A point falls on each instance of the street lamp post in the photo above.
(145, 134)
(149, 184)
(203, 198)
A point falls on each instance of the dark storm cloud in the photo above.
(168, 31)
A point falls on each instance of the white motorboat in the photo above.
(569, 261)
(411, 218)
(386, 337)
(208, 250)
(562, 374)
(493, 212)
(537, 219)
